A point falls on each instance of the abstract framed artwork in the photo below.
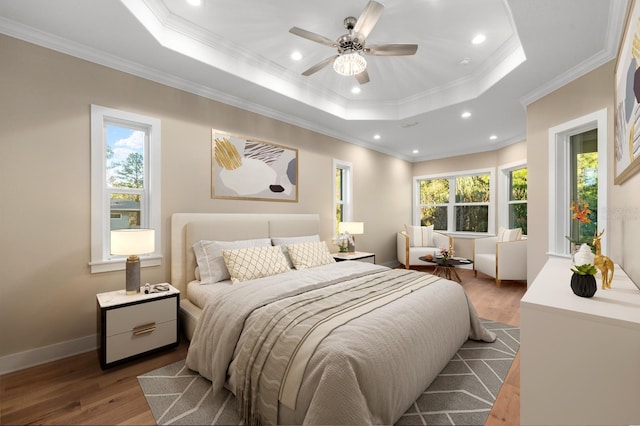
(627, 99)
(251, 169)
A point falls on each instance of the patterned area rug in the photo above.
(462, 394)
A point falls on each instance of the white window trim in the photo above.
(101, 261)
(450, 213)
(347, 201)
(503, 185)
(559, 190)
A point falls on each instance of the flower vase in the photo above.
(583, 285)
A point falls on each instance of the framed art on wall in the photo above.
(250, 169)
(627, 99)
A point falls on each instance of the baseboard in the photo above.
(37, 356)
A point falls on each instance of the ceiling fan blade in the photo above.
(391, 49)
(313, 36)
(368, 18)
(363, 77)
(317, 67)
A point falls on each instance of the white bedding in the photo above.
(368, 370)
(199, 293)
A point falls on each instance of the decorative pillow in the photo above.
(427, 236)
(255, 262)
(509, 234)
(209, 257)
(308, 255)
(420, 236)
(283, 242)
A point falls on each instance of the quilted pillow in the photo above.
(255, 262)
(308, 255)
(420, 236)
(282, 242)
(210, 261)
(509, 234)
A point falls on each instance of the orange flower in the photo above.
(580, 211)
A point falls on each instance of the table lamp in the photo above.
(132, 242)
(351, 228)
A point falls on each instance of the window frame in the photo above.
(559, 179)
(504, 177)
(101, 259)
(452, 204)
(347, 191)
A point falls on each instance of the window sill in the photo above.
(472, 235)
(468, 235)
(120, 264)
(561, 255)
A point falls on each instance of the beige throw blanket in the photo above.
(369, 369)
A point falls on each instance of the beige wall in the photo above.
(47, 291)
(585, 95)
(490, 159)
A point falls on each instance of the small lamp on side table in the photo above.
(352, 228)
(132, 242)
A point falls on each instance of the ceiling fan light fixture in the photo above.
(349, 64)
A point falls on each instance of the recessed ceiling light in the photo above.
(493, 137)
(376, 136)
(415, 151)
(356, 90)
(465, 114)
(296, 56)
(480, 38)
(195, 2)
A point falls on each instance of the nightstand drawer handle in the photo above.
(144, 329)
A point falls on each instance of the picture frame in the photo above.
(244, 168)
(626, 99)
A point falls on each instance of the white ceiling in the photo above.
(238, 52)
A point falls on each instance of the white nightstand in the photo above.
(131, 326)
(360, 256)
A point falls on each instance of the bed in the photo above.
(334, 343)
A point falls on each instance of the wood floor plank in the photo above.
(75, 390)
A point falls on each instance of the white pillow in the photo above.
(209, 257)
(283, 242)
(255, 262)
(308, 255)
(420, 236)
(509, 234)
(427, 236)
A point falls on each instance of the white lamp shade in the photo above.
(353, 228)
(129, 242)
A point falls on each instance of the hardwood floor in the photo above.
(76, 391)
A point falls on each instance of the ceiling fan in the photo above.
(351, 46)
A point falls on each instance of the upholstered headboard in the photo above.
(188, 228)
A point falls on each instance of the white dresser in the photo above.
(134, 325)
(579, 357)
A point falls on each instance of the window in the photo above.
(513, 196)
(577, 172)
(125, 182)
(455, 203)
(342, 187)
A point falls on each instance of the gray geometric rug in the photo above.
(462, 394)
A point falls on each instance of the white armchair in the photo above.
(502, 260)
(408, 255)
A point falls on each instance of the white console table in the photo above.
(579, 357)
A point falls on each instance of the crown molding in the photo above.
(617, 16)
